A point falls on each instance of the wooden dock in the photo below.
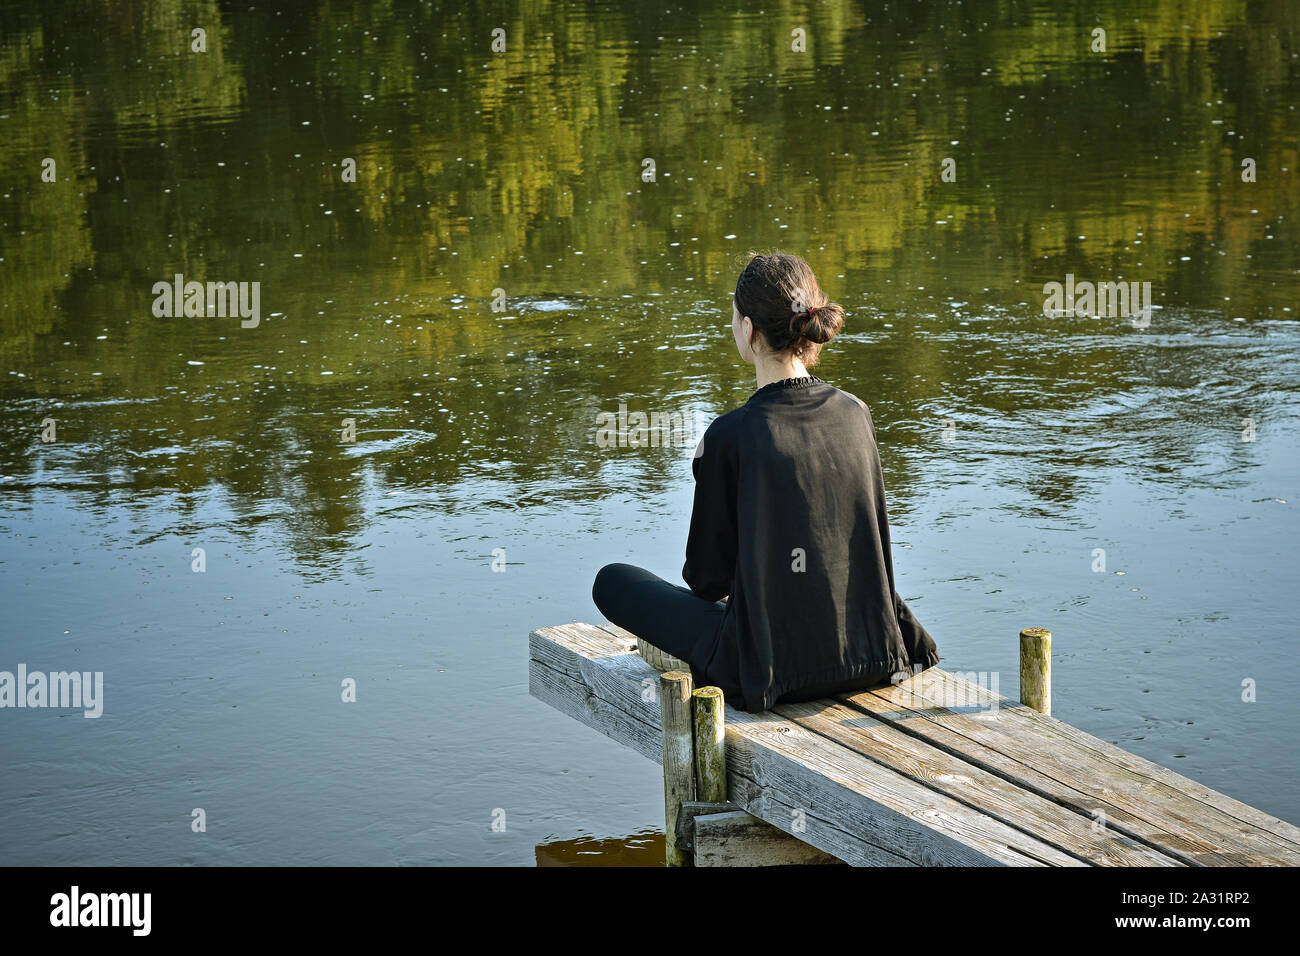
(934, 771)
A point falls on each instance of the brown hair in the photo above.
(783, 299)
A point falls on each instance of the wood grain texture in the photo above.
(691, 809)
(974, 786)
(1036, 669)
(1133, 796)
(740, 839)
(675, 690)
(820, 791)
(770, 847)
(709, 721)
(660, 660)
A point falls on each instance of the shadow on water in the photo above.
(639, 849)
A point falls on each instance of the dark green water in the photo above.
(1015, 443)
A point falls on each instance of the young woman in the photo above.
(791, 581)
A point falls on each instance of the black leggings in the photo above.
(669, 617)
(675, 620)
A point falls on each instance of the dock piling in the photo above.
(709, 709)
(1036, 669)
(679, 759)
(899, 775)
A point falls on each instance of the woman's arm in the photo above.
(711, 544)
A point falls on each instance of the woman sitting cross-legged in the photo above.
(791, 583)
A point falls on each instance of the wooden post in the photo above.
(679, 759)
(1036, 669)
(710, 745)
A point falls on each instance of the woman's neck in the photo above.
(777, 370)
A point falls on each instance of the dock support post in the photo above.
(679, 758)
(709, 709)
(1036, 669)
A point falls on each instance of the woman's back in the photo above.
(793, 478)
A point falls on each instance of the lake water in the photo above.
(1132, 485)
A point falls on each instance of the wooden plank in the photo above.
(771, 847)
(660, 660)
(559, 663)
(690, 809)
(1288, 833)
(1064, 764)
(847, 805)
(740, 839)
(1018, 774)
(1224, 811)
(973, 786)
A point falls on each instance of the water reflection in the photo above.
(645, 848)
(499, 274)
(526, 178)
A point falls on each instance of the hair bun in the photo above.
(771, 293)
(820, 324)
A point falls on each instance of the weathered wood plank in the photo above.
(973, 786)
(555, 674)
(660, 660)
(1226, 811)
(847, 805)
(771, 848)
(1018, 774)
(1289, 833)
(690, 809)
(1063, 763)
(740, 839)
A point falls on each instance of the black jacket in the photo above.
(789, 520)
